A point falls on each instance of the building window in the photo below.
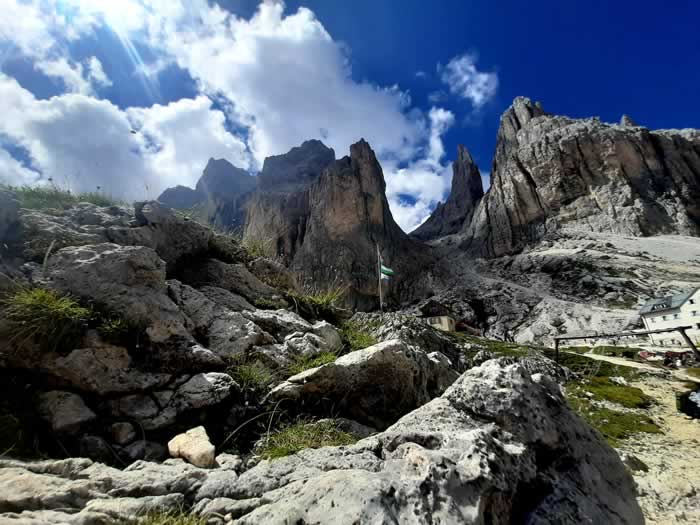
(692, 301)
(652, 319)
(675, 316)
(665, 318)
(694, 313)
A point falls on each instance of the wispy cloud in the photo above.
(464, 80)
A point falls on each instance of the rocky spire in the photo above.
(626, 120)
(467, 189)
(552, 171)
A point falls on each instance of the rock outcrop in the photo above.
(327, 225)
(451, 216)
(551, 172)
(500, 445)
(219, 197)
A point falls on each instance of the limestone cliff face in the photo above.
(278, 210)
(551, 172)
(326, 223)
(220, 195)
(349, 217)
(449, 217)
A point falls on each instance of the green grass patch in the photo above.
(266, 304)
(695, 372)
(299, 436)
(503, 348)
(614, 425)
(627, 396)
(51, 319)
(356, 336)
(45, 197)
(251, 375)
(302, 363)
(328, 297)
(171, 517)
(259, 247)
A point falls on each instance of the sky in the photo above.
(135, 96)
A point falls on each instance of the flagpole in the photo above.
(379, 278)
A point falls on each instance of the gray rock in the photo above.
(224, 298)
(122, 432)
(146, 450)
(279, 323)
(96, 448)
(550, 170)
(495, 431)
(64, 411)
(9, 213)
(467, 190)
(102, 369)
(373, 386)
(203, 390)
(127, 280)
(124, 509)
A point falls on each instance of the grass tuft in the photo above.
(252, 375)
(294, 438)
(51, 319)
(355, 337)
(259, 247)
(302, 363)
(171, 517)
(604, 389)
(45, 197)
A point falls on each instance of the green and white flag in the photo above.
(386, 270)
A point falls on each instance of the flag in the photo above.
(385, 270)
(385, 277)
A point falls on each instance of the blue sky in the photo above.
(241, 80)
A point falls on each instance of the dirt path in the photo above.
(669, 493)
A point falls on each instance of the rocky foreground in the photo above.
(180, 358)
(500, 445)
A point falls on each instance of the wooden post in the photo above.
(556, 350)
(690, 343)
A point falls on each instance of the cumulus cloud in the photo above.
(83, 142)
(466, 81)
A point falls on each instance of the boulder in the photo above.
(235, 278)
(203, 390)
(122, 432)
(194, 447)
(102, 369)
(128, 281)
(499, 446)
(274, 273)
(64, 411)
(9, 214)
(145, 450)
(374, 386)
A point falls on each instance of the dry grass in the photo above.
(294, 438)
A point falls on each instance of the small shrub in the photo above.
(49, 318)
(45, 197)
(253, 375)
(259, 247)
(302, 363)
(355, 336)
(171, 517)
(121, 332)
(266, 304)
(294, 438)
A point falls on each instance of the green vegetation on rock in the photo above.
(613, 424)
(356, 336)
(302, 363)
(299, 436)
(45, 197)
(170, 517)
(252, 375)
(51, 319)
(604, 389)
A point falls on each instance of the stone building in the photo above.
(671, 312)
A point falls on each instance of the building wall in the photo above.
(688, 314)
(442, 322)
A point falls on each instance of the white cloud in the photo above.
(13, 172)
(466, 81)
(82, 142)
(96, 74)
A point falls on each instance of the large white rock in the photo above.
(194, 446)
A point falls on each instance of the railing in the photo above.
(680, 329)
